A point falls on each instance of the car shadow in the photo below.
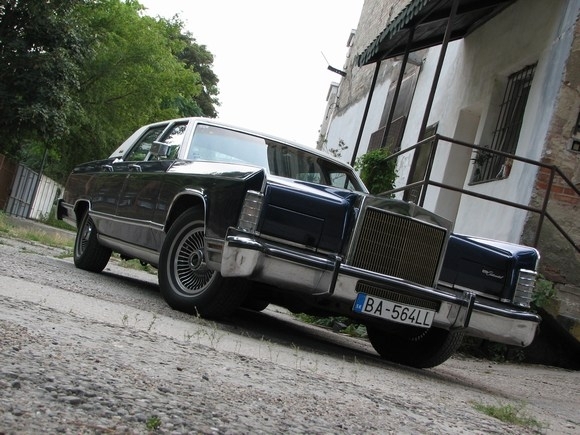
(278, 326)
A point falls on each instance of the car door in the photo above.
(146, 170)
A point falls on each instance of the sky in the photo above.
(268, 56)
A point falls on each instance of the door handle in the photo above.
(134, 167)
(108, 168)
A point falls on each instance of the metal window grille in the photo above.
(507, 132)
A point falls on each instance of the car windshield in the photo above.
(219, 144)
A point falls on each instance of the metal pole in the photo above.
(444, 45)
(365, 114)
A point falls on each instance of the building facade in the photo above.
(503, 77)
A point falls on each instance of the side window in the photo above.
(141, 149)
(174, 138)
(341, 180)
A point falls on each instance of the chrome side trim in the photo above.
(105, 217)
(147, 255)
(450, 286)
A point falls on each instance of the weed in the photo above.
(544, 292)
(297, 355)
(152, 322)
(153, 423)
(497, 352)
(53, 221)
(34, 235)
(343, 325)
(356, 369)
(355, 330)
(508, 413)
(66, 254)
(134, 264)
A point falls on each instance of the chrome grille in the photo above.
(399, 246)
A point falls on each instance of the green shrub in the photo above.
(377, 171)
(543, 293)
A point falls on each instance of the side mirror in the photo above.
(159, 150)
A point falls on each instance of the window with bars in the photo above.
(489, 167)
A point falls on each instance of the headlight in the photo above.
(251, 209)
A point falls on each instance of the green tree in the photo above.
(78, 76)
(41, 46)
(126, 82)
(200, 60)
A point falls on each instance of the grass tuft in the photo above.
(34, 235)
(509, 413)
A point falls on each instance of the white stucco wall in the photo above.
(537, 38)
(346, 126)
(472, 81)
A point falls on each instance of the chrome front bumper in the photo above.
(246, 256)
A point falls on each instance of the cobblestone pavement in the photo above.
(85, 353)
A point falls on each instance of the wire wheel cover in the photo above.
(84, 236)
(190, 269)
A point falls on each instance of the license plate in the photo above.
(395, 312)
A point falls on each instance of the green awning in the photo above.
(429, 20)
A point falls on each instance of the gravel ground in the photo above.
(86, 353)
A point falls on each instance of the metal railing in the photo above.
(553, 171)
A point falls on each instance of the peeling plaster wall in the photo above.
(472, 81)
(534, 38)
(560, 263)
(354, 88)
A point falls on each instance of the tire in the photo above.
(186, 283)
(254, 304)
(421, 348)
(89, 254)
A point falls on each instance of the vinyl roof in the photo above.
(429, 20)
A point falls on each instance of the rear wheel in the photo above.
(89, 254)
(255, 304)
(185, 280)
(422, 348)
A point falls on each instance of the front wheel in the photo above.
(421, 348)
(185, 280)
(89, 254)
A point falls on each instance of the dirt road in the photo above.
(87, 353)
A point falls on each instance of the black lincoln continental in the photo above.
(233, 218)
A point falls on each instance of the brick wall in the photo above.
(560, 262)
(375, 16)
